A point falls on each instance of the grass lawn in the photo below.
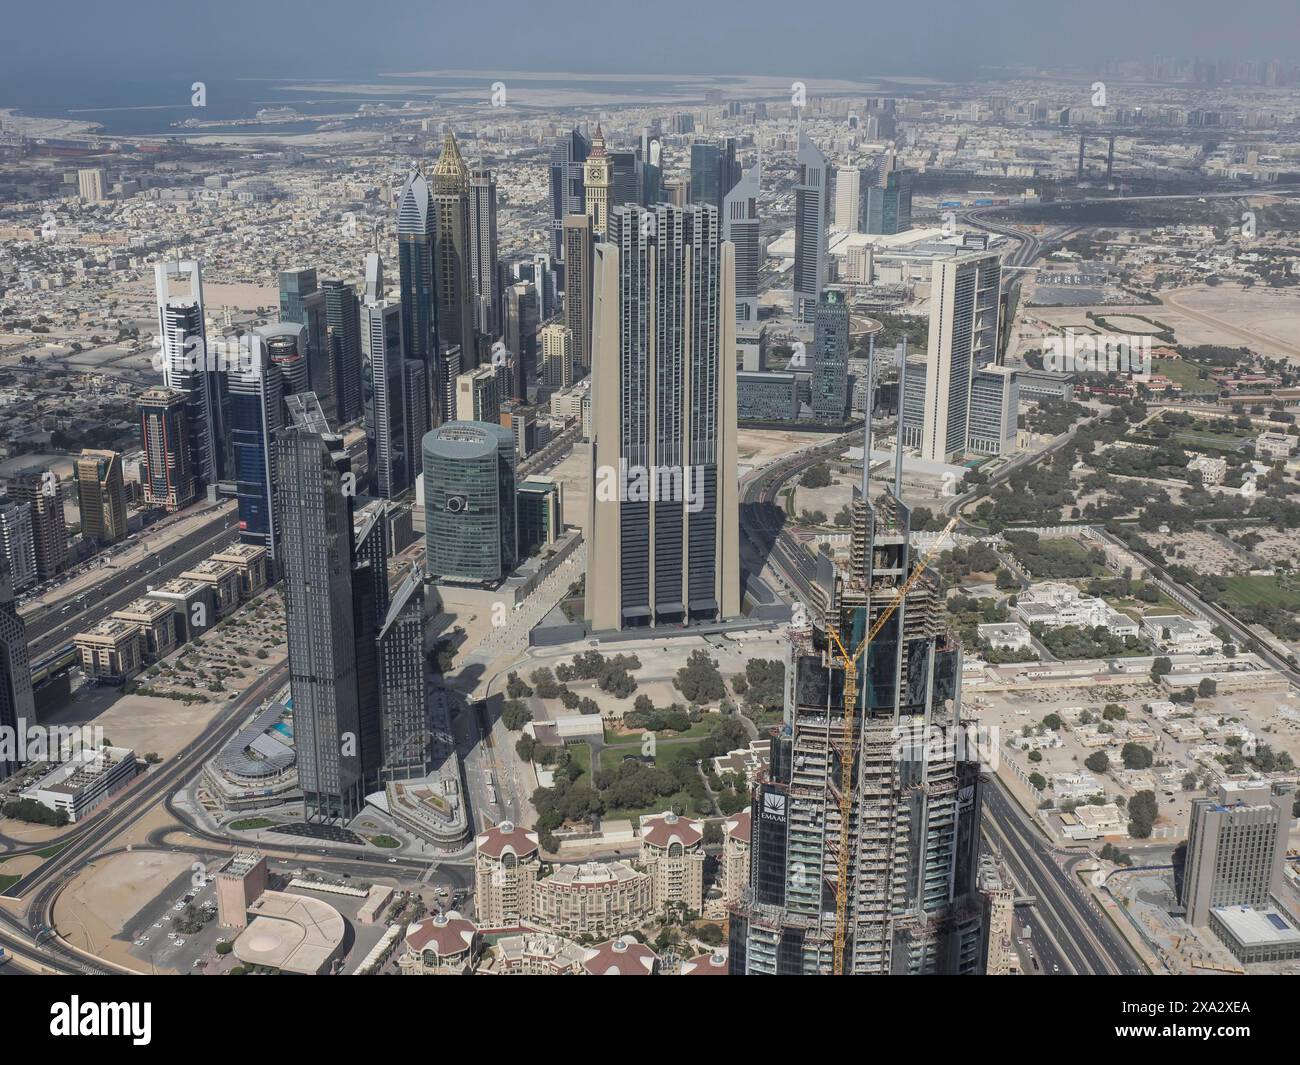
(1185, 373)
(248, 824)
(6, 882)
(50, 852)
(610, 757)
(1261, 591)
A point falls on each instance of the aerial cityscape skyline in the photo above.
(522, 493)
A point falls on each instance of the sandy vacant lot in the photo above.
(101, 900)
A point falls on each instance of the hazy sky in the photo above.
(141, 38)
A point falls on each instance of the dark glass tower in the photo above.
(343, 342)
(329, 610)
(830, 357)
(568, 154)
(17, 706)
(471, 525)
(416, 240)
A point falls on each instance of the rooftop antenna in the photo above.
(898, 441)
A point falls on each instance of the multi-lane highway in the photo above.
(54, 627)
(1081, 937)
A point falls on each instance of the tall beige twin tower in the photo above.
(663, 540)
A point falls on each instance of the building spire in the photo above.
(450, 165)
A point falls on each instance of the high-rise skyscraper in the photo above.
(384, 399)
(407, 738)
(18, 542)
(964, 308)
(343, 342)
(880, 808)
(849, 183)
(1236, 849)
(830, 357)
(188, 368)
(887, 201)
(557, 355)
(521, 321)
(335, 730)
(451, 260)
(597, 179)
(477, 397)
(167, 474)
(578, 250)
(471, 522)
(303, 303)
(257, 411)
(101, 496)
(483, 252)
(17, 707)
(568, 154)
(284, 346)
(663, 414)
(416, 251)
(812, 196)
(43, 490)
(714, 171)
(741, 226)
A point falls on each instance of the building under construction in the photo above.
(866, 824)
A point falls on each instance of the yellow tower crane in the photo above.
(849, 755)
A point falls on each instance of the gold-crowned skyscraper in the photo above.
(453, 282)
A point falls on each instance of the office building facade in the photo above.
(484, 272)
(743, 228)
(578, 251)
(811, 206)
(167, 474)
(663, 545)
(470, 517)
(335, 729)
(383, 390)
(568, 154)
(830, 357)
(1236, 850)
(343, 342)
(964, 310)
(44, 491)
(101, 495)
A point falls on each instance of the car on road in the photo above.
(392, 861)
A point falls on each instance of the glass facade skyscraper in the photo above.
(470, 518)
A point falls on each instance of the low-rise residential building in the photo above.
(1212, 470)
(672, 852)
(1270, 445)
(1006, 636)
(442, 945)
(1055, 604)
(507, 865)
(224, 578)
(1069, 786)
(735, 855)
(250, 562)
(530, 952)
(594, 898)
(621, 957)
